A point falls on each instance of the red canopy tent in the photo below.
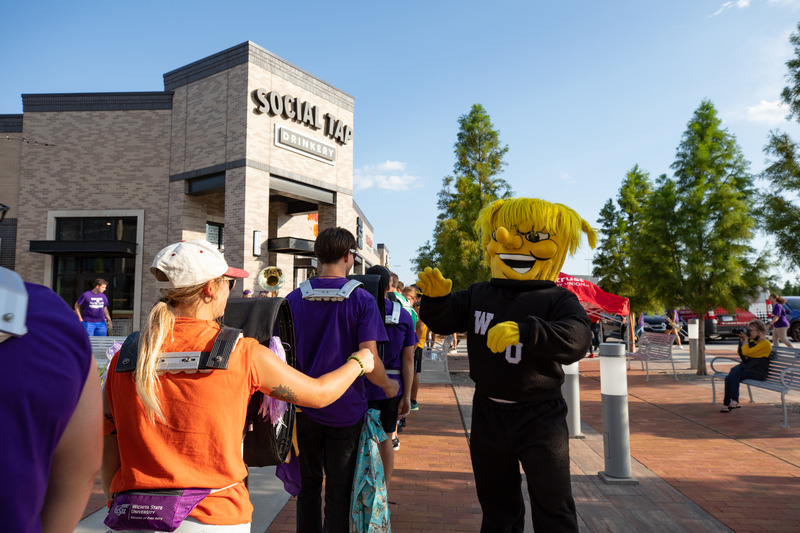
(595, 300)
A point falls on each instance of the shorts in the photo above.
(388, 409)
(96, 329)
(417, 360)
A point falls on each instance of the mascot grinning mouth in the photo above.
(519, 263)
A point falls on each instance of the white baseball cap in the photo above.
(189, 263)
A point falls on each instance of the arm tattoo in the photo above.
(284, 393)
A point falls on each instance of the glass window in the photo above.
(128, 230)
(96, 229)
(68, 229)
(74, 275)
(215, 234)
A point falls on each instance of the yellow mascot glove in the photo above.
(433, 284)
(502, 335)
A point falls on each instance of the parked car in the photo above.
(709, 319)
(793, 315)
(616, 326)
(727, 321)
(613, 326)
(658, 324)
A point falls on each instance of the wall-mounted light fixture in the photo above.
(256, 242)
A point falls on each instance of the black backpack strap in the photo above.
(222, 349)
(216, 359)
(128, 354)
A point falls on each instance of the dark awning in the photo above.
(291, 245)
(301, 191)
(85, 248)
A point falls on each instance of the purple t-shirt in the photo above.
(42, 379)
(92, 306)
(779, 311)
(326, 334)
(400, 335)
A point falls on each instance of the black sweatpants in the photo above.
(536, 435)
(330, 452)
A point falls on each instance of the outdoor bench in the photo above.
(783, 376)
(654, 347)
(438, 354)
(101, 344)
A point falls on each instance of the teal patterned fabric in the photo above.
(369, 507)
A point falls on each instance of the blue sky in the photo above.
(579, 90)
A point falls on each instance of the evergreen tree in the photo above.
(781, 215)
(614, 260)
(610, 260)
(426, 257)
(694, 244)
(791, 93)
(457, 250)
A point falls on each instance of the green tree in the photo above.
(610, 258)
(426, 257)
(790, 95)
(614, 260)
(780, 214)
(694, 242)
(788, 288)
(475, 182)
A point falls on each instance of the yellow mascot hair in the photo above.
(533, 214)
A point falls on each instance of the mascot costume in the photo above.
(520, 329)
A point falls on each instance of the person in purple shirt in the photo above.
(92, 310)
(779, 323)
(398, 359)
(673, 326)
(50, 412)
(327, 330)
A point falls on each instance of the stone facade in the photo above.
(203, 151)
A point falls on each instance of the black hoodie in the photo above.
(553, 330)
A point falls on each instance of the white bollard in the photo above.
(694, 342)
(616, 433)
(571, 390)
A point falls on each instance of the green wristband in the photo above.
(357, 360)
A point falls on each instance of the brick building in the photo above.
(241, 148)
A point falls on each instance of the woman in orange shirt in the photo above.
(182, 430)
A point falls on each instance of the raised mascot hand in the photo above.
(502, 335)
(433, 284)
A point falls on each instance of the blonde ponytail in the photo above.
(156, 334)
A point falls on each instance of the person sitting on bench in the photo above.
(754, 349)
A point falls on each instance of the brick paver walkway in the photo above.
(741, 467)
(432, 483)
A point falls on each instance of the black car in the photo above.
(658, 324)
(613, 326)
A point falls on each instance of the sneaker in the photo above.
(401, 424)
(395, 444)
(414, 406)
